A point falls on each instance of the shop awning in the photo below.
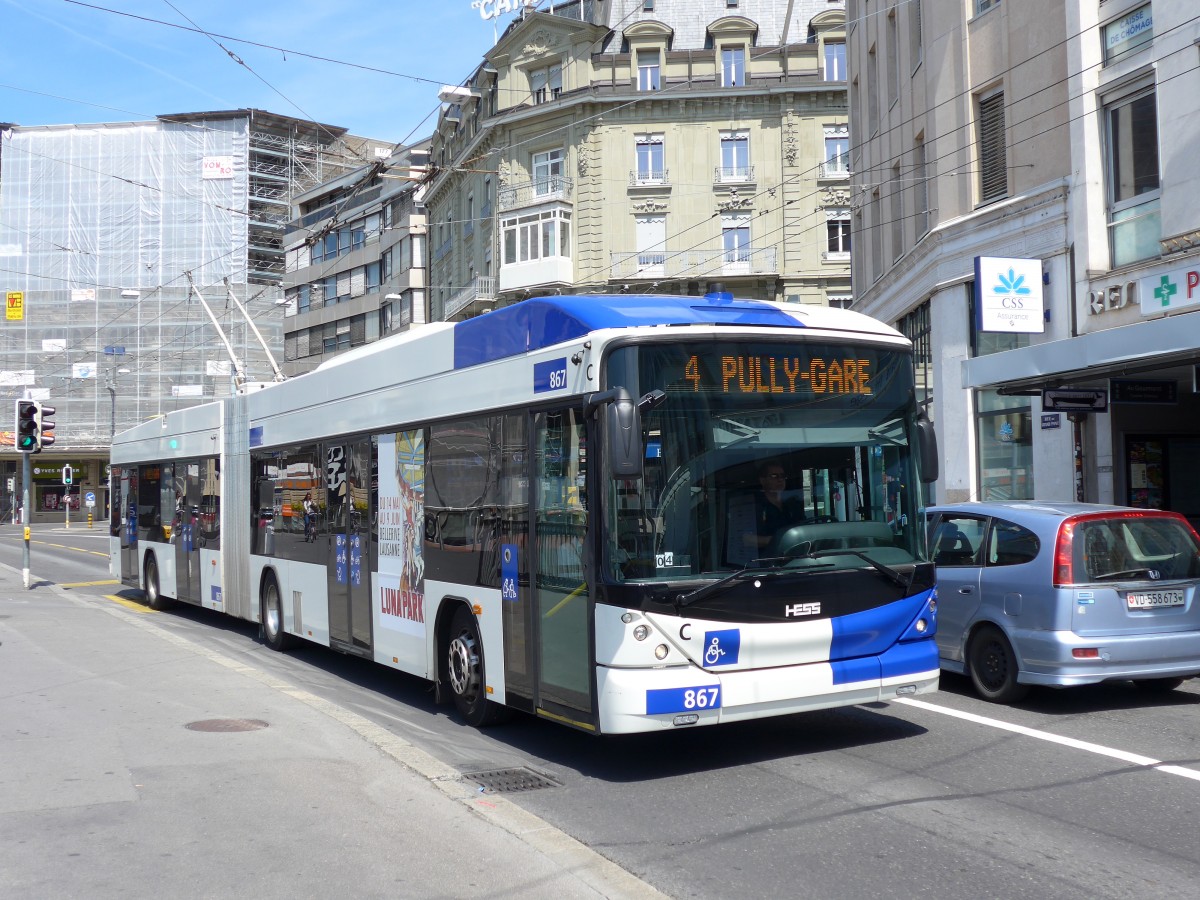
(1130, 349)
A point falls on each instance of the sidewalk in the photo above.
(113, 783)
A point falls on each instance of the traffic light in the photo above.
(27, 426)
(45, 427)
(34, 430)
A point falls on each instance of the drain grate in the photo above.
(510, 781)
(226, 725)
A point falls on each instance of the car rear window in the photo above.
(1143, 547)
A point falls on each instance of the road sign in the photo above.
(1075, 400)
(114, 351)
(89, 499)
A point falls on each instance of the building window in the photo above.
(1004, 436)
(838, 237)
(876, 227)
(893, 54)
(835, 60)
(733, 66)
(651, 163)
(837, 152)
(548, 171)
(648, 70)
(916, 43)
(1131, 32)
(897, 213)
(984, 5)
(993, 155)
(1134, 219)
(920, 188)
(872, 91)
(648, 5)
(735, 156)
(735, 242)
(916, 327)
(546, 84)
(541, 235)
(651, 244)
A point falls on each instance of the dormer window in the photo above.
(733, 66)
(546, 84)
(648, 63)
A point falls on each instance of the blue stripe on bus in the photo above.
(910, 659)
(546, 321)
(873, 631)
(848, 671)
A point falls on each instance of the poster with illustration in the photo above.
(400, 585)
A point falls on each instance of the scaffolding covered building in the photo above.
(110, 234)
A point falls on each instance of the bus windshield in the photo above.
(765, 453)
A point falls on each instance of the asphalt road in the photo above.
(1089, 792)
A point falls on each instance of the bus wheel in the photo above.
(465, 667)
(271, 616)
(154, 599)
(993, 667)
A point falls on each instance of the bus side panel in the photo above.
(211, 594)
(402, 623)
(491, 629)
(164, 558)
(303, 593)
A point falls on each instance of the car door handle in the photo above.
(966, 589)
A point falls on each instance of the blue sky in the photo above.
(67, 62)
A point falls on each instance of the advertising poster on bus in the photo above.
(400, 588)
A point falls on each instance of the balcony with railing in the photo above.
(733, 174)
(530, 193)
(481, 287)
(838, 167)
(745, 261)
(649, 177)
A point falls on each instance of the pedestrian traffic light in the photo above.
(45, 426)
(27, 426)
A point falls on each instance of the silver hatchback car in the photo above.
(1064, 594)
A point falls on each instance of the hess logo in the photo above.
(802, 609)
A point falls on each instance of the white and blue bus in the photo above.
(561, 507)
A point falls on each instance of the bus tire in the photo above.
(465, 671)
(993, 667)
(154, 597)
(271, 615)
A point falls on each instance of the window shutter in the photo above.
(993, 162)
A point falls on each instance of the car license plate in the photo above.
(1153, 599)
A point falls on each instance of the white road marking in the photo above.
(1099, 749)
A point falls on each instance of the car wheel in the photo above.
(272, 616)
(154, 598)
(1158, 685)
(465, 668)
(993, 667)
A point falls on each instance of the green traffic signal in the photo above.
(28, 426)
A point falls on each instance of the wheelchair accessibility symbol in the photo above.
(721, 648)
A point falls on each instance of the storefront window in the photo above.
(1004, 436)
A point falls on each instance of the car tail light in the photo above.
(1086, 653)
(1063, 568)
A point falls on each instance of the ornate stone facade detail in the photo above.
(791, 144)
(650, 206)
(835, 197)
(734, 201)
(504, 172)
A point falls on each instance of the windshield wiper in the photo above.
(888, 572)
(717, 587)
(1126, 573)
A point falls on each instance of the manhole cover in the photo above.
(510, 781)
(226, 725)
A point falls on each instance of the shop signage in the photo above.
(1128, 32)
(1142, 391)
(1008, 295)
(1075, 400)
(1173, 289)
(491, 9)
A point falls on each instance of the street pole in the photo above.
(26, 474)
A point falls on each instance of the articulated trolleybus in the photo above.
(623, 513)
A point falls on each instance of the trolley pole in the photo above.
(26, 474)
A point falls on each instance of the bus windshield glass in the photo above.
(766, 454)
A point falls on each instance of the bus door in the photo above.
(348, 517)
(124, 514)
(561, 602)
(185, 531)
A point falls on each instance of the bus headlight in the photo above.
(922, 625)
(661, 651)
(641, 632)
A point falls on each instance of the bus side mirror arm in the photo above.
(929, 449)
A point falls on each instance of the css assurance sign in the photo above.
(1008, 295)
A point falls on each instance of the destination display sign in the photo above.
(779, 373)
